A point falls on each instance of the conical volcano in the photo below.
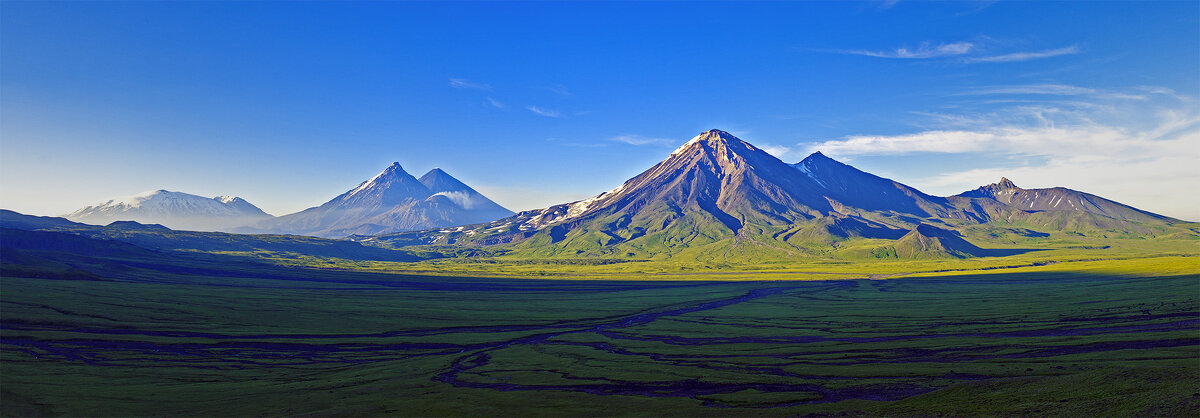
(392, 186)
(714, 176)
(714, 192)
(476, 207)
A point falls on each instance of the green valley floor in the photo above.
(174, 336)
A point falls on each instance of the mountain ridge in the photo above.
(177, 210)
(717, 194)
(1060, 198)
(391, 201)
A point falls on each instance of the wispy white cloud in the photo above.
(641, 140)
(550, 113)
(962, 51)
(1047, 89)
(496, 103)
(462, 83)
(1140, 153)
(1025, 56)
(924, 50)
(1140, 93)
(1054, 137)
(779, 151)
(1158, 90)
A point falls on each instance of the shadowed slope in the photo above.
(855, 189)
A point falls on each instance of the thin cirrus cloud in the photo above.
(1140, 94)
(1089, 128)
(1034, 89)
(496, 103)
(641, 140)
(925, 50)
(1025, 56)
(540, 111)
(462, 83)
(779, 151)
(1133, 152)
(928, 50)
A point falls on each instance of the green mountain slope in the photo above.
(718, 198)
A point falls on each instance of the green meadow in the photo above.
(1064, 331)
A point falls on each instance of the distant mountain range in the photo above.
(122, 238)
(175, 210)
(391, 201)
(1060, 199)
(714, 198)
(719, 197)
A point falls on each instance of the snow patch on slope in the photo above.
(804, 168)
(578, 208)
(687, 144)
(367, 184)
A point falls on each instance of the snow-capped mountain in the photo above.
(391, 201)
(174, 210)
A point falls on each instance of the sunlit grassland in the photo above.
(218, 336)
(1116, 256)
(1065, 326)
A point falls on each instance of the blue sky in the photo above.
(288, 104)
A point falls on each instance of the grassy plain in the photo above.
(1078, 331)
(758, 261)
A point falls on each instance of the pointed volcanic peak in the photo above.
(392, 201)
(856, 189)
(174, 210)
(476, 207)
(711, 189)
(1061, 199)
(714, 176)
(438, 180)
(392, 186)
